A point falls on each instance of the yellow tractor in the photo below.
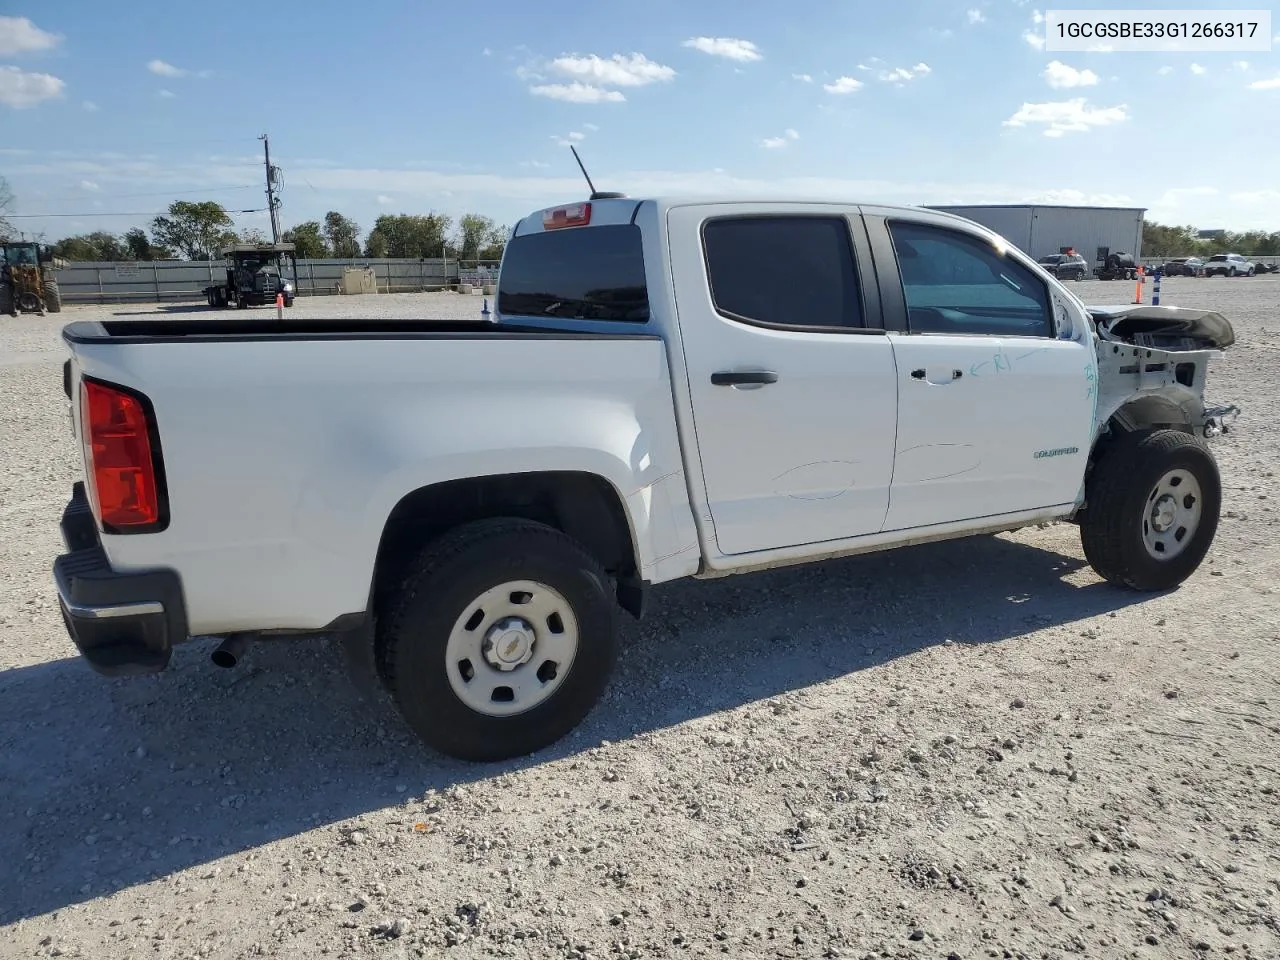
(27, 280)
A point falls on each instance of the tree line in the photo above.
(199, 230)
(1159, 240)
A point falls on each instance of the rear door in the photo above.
(790, 375)
(995, 411)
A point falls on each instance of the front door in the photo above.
(791, 379)
(995, 411)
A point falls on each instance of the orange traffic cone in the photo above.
(280, 305)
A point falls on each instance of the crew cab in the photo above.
(669, 389)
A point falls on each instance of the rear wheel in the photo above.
(499, 641)
(1151, 509)
(52, 295)
(7, 303)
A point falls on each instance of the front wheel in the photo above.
(1151, 509)
(499, 641)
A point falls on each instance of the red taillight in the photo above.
(575, 215)
(124, 488)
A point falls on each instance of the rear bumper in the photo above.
(123, 623)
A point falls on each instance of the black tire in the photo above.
(52, 295)
(1231, 272)
(7, 304)
(448, 577)
(1120, 498)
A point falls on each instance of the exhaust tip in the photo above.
(224, 658)
(230, 651)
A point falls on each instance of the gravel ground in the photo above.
(970, 749)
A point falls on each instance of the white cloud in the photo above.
(1062, 77)
(1035, 37)
(1241, 65)
(730, 48)
(162, 69)
(773, 143)
(843, 85)
(590, 126)
(20, 89)
(486, 52)
(383, 199)
(574, 136)
(89, 185)
(1165, 71)
(975, 15)
(20, 35)
(802, 77)
(1198, 70)
(1272, 84)
(90, 106)
(577, 93)
(635, 70)
(900, 75)
(167, 94)
(1067, 116)
(535, 164)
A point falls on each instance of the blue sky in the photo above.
(413, 107)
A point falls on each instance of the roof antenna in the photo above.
(595, 194)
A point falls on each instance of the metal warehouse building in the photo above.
(1040, 230)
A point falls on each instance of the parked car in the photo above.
(466, 506)
(1228, 265)
(1065, 266)
(1183, 267)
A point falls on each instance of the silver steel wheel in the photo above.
(1172, 514)
(511, 648)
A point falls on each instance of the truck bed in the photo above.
(286, 447)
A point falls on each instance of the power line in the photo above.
(148, 213)
(160, 193)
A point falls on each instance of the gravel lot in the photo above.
(972, 749)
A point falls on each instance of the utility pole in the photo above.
(273, 204)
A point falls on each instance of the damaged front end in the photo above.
(1153, 365)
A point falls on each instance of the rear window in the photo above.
(578, 273)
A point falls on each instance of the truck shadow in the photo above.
(168, 308)
(109, 784)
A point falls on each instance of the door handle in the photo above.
(920, 375)
(734, 378)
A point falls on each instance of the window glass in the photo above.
(790, 271)
(577, 273)
(957, 283)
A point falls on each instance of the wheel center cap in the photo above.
(509, 643)
(1162, 514)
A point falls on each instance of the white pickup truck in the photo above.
(669, 389)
